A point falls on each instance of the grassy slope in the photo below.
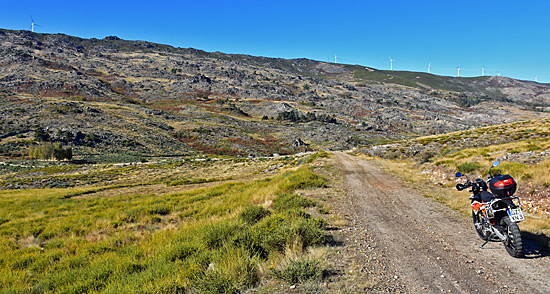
(420, 79)
(128, 129)
(219, 237)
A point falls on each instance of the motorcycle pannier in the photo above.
(503, 186)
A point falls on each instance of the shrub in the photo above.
(318, 154)
(323, 210)
(301, 270)
(444, 162)
(301, 179)
(41, 135)
(283, 229)
(61, 153)
(286, 201)
(468, 167)
(211, 282)
(253, 214)
(252, 240)
(526, 177)
(309, 231)
(533, 147)
(231, 271)
(159, 209)
(180, 251)
(216, 235)
(427, 156)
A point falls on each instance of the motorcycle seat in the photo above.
(484, 196)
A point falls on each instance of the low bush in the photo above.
(301, 270)
(313, 157)
(302, 178)
(253, 214)
(286, 201)
(284, 229)
(526, 177)
(468, 167)
(216, 235)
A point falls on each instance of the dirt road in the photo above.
(425, 247)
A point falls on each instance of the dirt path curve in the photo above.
(429, 248)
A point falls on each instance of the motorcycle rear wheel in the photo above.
(479, 226)
(514, 243)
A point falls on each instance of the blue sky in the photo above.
(510, 37)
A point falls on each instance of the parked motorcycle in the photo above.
(496, 213)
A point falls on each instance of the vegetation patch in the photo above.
(301, 270)
(468, 167)
(208, 239)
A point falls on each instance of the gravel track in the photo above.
(408, 243)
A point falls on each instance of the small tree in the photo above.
(43, 151)
(66, 136)
(41, 135)
(61, 153)
(69, 153)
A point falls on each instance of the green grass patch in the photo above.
(302, 179)
(190, 181)
(468, 167)
(301, 270)
(318, 154)
(202, 240)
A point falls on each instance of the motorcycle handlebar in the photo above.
(466, 185)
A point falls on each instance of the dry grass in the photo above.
(154, 237)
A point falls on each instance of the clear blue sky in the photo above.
(507, 36)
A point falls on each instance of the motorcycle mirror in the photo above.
(458, 175)
(496, 163)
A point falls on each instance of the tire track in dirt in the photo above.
(431, 248)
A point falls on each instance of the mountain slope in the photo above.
(144, 98)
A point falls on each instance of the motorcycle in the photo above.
(495, 214)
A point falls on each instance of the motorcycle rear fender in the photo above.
(476, 206)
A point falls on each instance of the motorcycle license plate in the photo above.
(516, 215)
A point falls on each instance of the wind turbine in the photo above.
(536, 79)
(335, 58)
(429, 65)
(483, 71)
(33, 24)
(458, 69)
(391, 64)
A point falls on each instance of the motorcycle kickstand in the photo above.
(486, 241)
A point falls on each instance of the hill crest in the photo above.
(147, 98)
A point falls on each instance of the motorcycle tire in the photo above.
(478, 225)
(514, 244)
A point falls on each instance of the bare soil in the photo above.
(398, 241)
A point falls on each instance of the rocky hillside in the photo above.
(113, 96)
